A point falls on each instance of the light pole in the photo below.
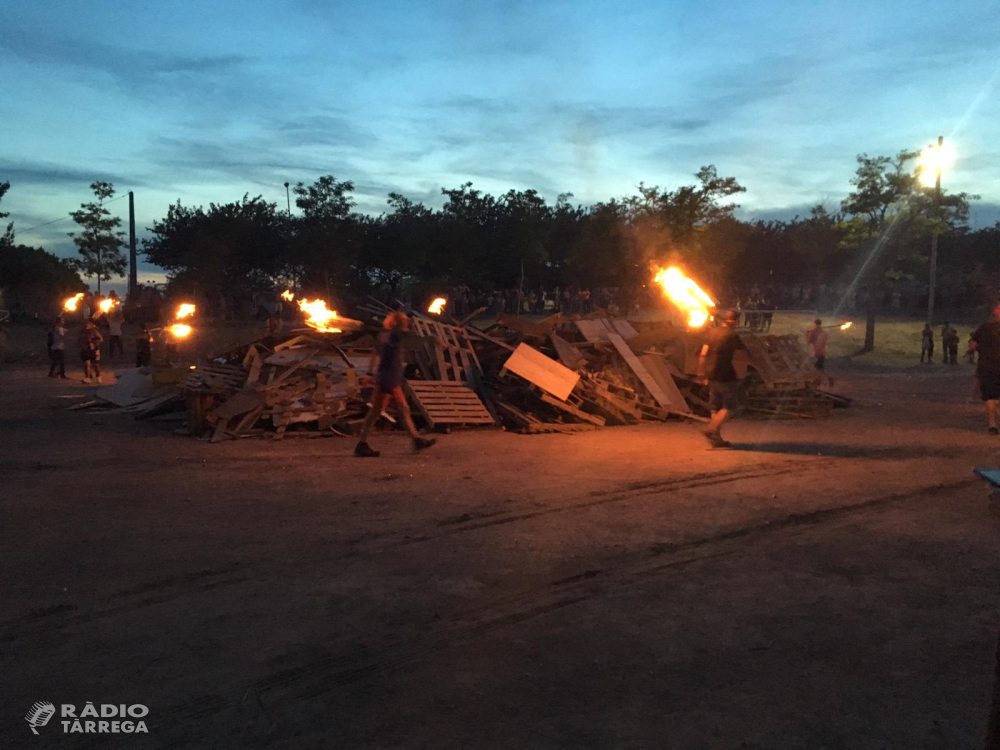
(934, 159)
(288, 200)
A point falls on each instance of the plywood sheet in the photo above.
(542, 371)
(659, 369)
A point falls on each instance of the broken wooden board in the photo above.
(641, 372)
(543, 371)
(569, 355)
(597, 330)
(132, 387)
(658, 370)
(447, 402)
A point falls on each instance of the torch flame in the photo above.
(287, 295)
(320, 317)
(186, 310)
(71, 303)
(107, 305)
(847, 325)
(179, 330)
(686, 294)
(437, 306)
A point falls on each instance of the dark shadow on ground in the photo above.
(882, 452)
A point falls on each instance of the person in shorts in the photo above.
(387, 367)
(90, 352)
(927, 343)
(986, 343)
(723, 384)
(816, 337)
(57, 349)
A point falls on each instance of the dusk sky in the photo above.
(206, 101)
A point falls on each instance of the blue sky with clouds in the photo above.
(206, 101)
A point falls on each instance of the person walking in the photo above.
(949, 344)
(115, 321)
(387, 367)
(90, 352)
(716, 363)
(986, 343)
(57, 349)
(816, 337)
(927, 343)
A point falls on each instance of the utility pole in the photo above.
(133, 273)
(934, 240)
(288, 199)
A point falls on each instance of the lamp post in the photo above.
(288, 200)
(934, 159)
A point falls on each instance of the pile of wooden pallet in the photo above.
(553, 375)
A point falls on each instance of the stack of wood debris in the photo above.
(553, 375)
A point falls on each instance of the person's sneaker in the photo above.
(88, 380)
(715, 439)
(420, 443)
(363, 450)
(994, 431)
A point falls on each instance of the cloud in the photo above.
(45, 173)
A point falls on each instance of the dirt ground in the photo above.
(824, 584)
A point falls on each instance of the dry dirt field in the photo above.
(824, 584)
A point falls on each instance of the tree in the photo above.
(99, 243)
(887, 215)
(325, 238)
(7, 239)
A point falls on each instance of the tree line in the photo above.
(877, 239)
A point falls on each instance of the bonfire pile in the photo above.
(554, 375)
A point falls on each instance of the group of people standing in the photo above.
(949, 345)
(89, 340)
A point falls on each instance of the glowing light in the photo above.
(686, 294)
(320, 318)
(107, 305)
(287, 295)
(179, 330)
(437, 306)
(71, 303)
(186, 310)
(846, 325)
(934, 160)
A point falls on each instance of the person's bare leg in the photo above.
(97, 371)
(719, 418)
(991, 413)
(86, 370)
(378, 403)
(407, 417)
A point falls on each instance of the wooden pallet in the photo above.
(450, 355)
(779, 359)
(444, 402)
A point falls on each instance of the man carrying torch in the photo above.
(716, 363)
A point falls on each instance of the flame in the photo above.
(686, 294)
(71, 303)
(287, 295)
(437, 306)
(179, 330)
(186, 310)
(847, 325)
(107, 305)
(320, 317)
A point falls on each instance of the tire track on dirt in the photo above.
(307, 680)
(43, 620)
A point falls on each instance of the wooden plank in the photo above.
(569, 355)
(641, 372)
(543, 371)
(657, 369)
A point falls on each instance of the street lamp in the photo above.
(288, 200)
(933, 161)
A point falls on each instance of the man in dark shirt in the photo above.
(723, 384)
(986, 342)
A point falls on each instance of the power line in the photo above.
(63, 218)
